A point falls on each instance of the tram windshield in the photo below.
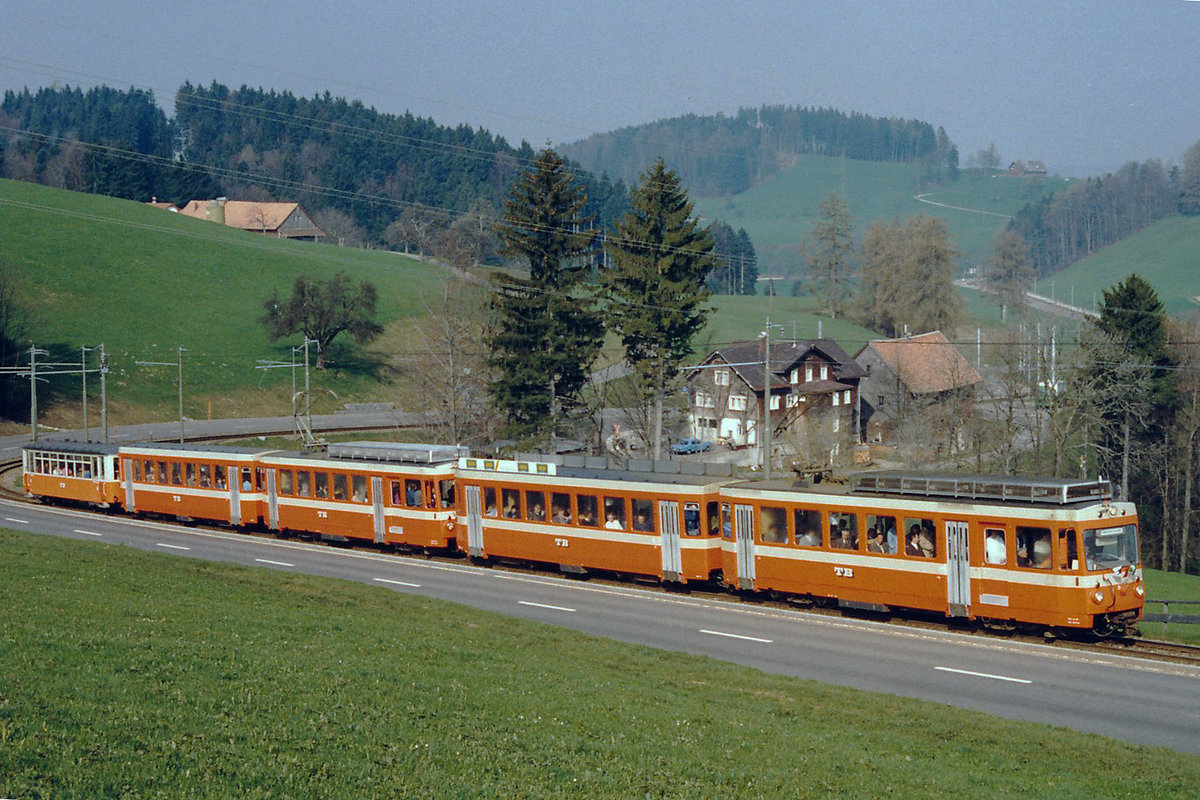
(1111, 547)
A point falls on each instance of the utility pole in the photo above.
(179, 363)
(34, 352)
(83, 375)
(103, 391)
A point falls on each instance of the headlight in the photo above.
(1098, 596)
(1140, 590)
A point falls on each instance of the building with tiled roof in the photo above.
(812, 386)
(283, 220)
(912, 372)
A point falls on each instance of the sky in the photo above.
(1082, 85)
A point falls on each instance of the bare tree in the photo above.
(339, 228)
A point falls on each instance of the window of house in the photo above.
(824, 372)
(737, 402)
(721, 377)
(836, 398)
(795, 376)
(793, 400)
(808, 374)
(775, 402)
(846, 397)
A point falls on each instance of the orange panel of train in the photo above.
(580, 518)
(84, 472)
(1044, 552)
(194, 481)
(385, 492)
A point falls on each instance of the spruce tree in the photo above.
(660, 259)
(832, 262)
(545, 331)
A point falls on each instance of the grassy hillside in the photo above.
(780, 212)
(145, 281)
(743, 317)
(1167, 254)
(136, 674)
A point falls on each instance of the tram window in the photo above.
(339, 486)
(303, 484)
(89, 467)
(560, 508)
(189, 474)
(285, 482)
(535, 506)
(587, 509)
(713, 512)
(446, 493)
(774, 526)
(881, 534)
(691, 519)
(1033, 547)
(995, 546)
(395, 493)
(843, 531)
(412, 493)
(162, 472)
(614, 513)
(206, 476)
(219, 476)
(358, 488)
(1068, 554)
(176, 476)
(920, 541)
(726, 522)
(137, 471)
(490, 509)
(247, 480)
(643, 515)
(321, 484)
(512, 503)
(806, 528)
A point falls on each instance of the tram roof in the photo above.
(199, 448)
(76, 447)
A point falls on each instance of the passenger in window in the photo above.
(844, 540)
(641, 522)
(911, 546)
(1040, 558)
(611, 522)
(925, 542)
(536, 512)
(559, 515)
(994, 550)
(874, 540)
(810, 538)
(412, 494)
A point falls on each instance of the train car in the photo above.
(82, 472)
(195, 481)
(1042, 552)
(383, 492)
(583, 518)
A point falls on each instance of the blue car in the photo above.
(685, 446)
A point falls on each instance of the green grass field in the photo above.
(1165, 254)
(145, 281)
(133, 674)
(779, 212)
(1178, 587)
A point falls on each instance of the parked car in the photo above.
(685, 446)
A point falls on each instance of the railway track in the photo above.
(1173, 652)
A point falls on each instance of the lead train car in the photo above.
(1046, 552)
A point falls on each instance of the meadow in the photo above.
(135, 674)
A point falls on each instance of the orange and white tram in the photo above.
(1044, 552)
(660, 525)
(83, 472)
(194, 481)
(383, 492)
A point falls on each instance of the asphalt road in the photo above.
(1125, 698)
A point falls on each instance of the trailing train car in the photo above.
(381, 492)
(656, 524)
(83, 472)
(1042, 552)
(195, 481)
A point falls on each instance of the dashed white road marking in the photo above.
(276, 563)
(543, 605)
(737, 636)
(397, 583)
(172, 546)
(18, 521)
(982, 675)
(88, 533)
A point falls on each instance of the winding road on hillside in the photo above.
(1146, 702)
(921, 198)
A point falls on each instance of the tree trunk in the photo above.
(1125, 459)
(658, 412)
(1185, 522)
